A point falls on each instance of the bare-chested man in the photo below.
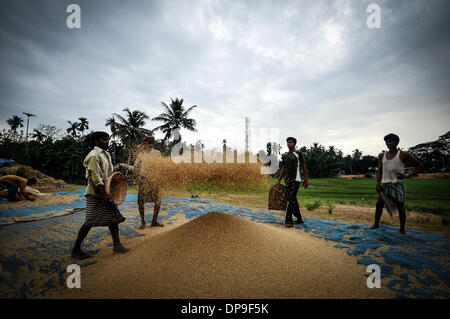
(390, 178)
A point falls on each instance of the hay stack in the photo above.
(28, 172)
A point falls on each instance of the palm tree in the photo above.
(111, 122)
(175, 118)
(82, 126)
(15, 122)
(130, 129)
(38, 135)
(73, 128)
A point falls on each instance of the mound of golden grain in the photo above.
(218, 255)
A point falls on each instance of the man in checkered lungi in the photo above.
(100, 210)
(290, 168)
(391, 179)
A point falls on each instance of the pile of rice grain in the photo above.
(218, 255)
(163, 172)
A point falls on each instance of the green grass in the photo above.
(425, 195)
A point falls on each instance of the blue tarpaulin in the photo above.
(415, 265)
(3, 161)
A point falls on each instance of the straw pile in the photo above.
(28, 172)
(222, 256)
(163, 172)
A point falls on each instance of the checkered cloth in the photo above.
(100, 212)
(395, 191)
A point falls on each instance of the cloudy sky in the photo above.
(308, 69)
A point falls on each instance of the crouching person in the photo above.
(100, 210)
(16, 185)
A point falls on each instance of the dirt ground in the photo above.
(40, 201)
(351, 214)
(343, 213)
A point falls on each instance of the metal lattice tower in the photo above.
(247, 135)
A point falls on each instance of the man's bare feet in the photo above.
(402, 231)
(157, 224)
(120, 249)
(289, 224)
(79, 254)
(373, 227)
(142, 226)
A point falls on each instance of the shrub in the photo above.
(330, 209)
(311, 207)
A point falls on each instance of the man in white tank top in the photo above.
(390, 178)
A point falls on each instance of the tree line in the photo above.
(60, 154)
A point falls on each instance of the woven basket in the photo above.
(116, 188)
(277, 197)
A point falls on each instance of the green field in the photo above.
(424, 195)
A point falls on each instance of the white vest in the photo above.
(391, 168)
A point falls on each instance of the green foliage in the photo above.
(330, 209)
(330, 162)
(174, 118)
(15, 122)
(130, 128)
(434, 155)
(312, 207)
(61, 158)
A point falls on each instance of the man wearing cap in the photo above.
(290, 169)
(100, 209)
(391, 180)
